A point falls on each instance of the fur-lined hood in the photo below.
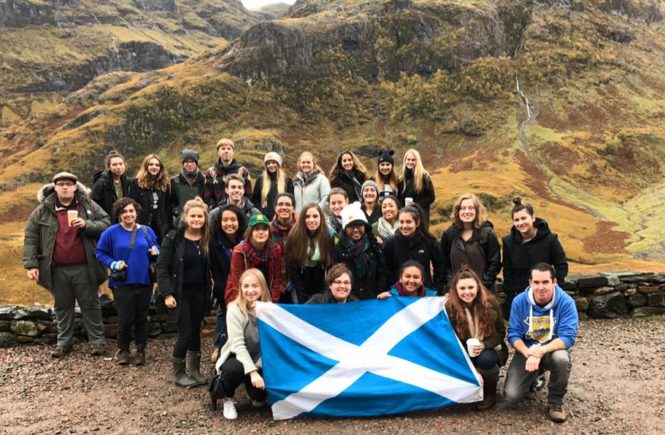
(46, 190)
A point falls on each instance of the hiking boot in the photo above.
(557, 414)
(489, 393)
(97, 349)
(139, 358)
(194, 367)
(229, 412)
(258, 403)
(61, 351)
(181, 377)
(122, 357)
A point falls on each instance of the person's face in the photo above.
(312, 219)
(385, 168)
(284, 208)
(195, 218)
(272, 166)
(260, 233)
(251, 288)
(225, 153)
(341, 287)
(407, 224)
(306, 164)
(370, 195)
(542, 285)
(336, 204)
(154, 167)
(235, 190)
(389, 210)
(347, 162)
(65, 190)
(128, 215)
(189, 166)
(523, 222)
(355, 231)
(117, 166)
(411, 279)
(467, 211)
(410, 161)
(467, 290)
(230, 223)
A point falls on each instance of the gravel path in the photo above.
(617, 386)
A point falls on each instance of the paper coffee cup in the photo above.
(71, 215)
(470, 344)
(408, 201)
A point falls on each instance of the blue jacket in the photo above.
(428, 291)
(113, 246)
(534, 324)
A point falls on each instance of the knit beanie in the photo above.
(370, 183)
(273, 156)
(188, 154)
(353, 213)
(386, 156)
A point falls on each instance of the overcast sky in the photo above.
(257, 4)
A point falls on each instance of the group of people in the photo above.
(210, 238)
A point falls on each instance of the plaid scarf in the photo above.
(254, 258)
(279, 231)
(357, 251)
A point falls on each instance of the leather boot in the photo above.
(489, 393)
(122, 356)
(181, 377)
(139, 358)
(194, 367)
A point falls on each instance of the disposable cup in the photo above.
(471, 343)
(71, 215)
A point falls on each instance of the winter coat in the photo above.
(351, 187)
(480, 253)
(160, 219)
(519, 258)
(220, 262)
(315, 190)
(406, 189)
(398, 249)
(42, 228)
(328, 298)
(215, 187)
(269, 209)
(103, 191)
(248, 208)
(306, 281)
(239, 263)
(182, 191)
(369, 286)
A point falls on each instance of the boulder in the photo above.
(582, 304)
(637, 300)
(26, 328)
(612, 279)
(6, 313)
(647, 289)
(647, 311)
(603, 290)
(627, 291)
(656, 299)
(7, 339)
(592, 282)
(24, 339)
(608, 306)
(40, 313)
(5, 325)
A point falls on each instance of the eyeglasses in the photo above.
(340, 282)
(64, 184)
(284, 204)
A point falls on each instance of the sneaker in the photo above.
(230, 412)
(557, 414)
(258, 403)
(540, 382)
(97, 349)
(60, 351)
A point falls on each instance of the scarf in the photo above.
(313, 254)
(472, 324)
(279, 231)
(254, 258)
(358, 252)
(191, 178)
(335, 223)
(384, 229)
(402, 292)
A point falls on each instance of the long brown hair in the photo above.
(485, 307)
(357, 165)
(481, 211)
(297, 243)
(205, 230)
(147, 181)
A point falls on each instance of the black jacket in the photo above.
(158, 219)
(327, 298)
(350, 187)
(406, 189)
(398, 249)
(369, 286)
(483, 241)
(306, 281)
(103, 191)
(519, 258)
(269, 210)
(220, 263)
(182, 191)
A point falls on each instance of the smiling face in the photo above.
(284, 208)
(467, 211)
(355, 230)
(225, 153)
(195, 218)
(389, 210)
(411, 279)
(370, 195)
(154, 167)
(272, 166)
(407, 224)
(543, 284)
(128, 216)
(410, 161)
(260, 234)
(251, 288)
(189, 166)
(117, 166)
(347, 162)
(306, 164)
(235, 190)
(385, 168)
(312, 220)
(523, 222)
(337, 203)
(467, 290)
(341, 287)
(230, 223)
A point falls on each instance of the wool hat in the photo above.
(386, 156)
(353, 213)
(65, 176)
(188, 154)
(258, 219)
(370, 183)
(273, 156)
(225, 141)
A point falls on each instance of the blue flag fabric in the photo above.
(361, 359)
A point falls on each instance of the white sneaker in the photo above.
(258, 403)
(230, 412)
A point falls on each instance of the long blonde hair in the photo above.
(147, 181)
(280, 180)
(205, 230)
(481, 211)
(419, 172)
(316, 168)
(243, 304)
(382, 180)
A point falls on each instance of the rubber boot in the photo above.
(194, 367)
(139, 358)
(181, 377)
(122, 356)
(489, 393)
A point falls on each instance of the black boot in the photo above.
(194, 367)
(489, 392)
(139, 359)
(181, 377)
(122, 356)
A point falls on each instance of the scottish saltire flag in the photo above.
(366, 358)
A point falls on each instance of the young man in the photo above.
(215, 188)
(235, 194)
(285, 219)
(543, 328)
(111, 184)
(187, 185)
(59, 253)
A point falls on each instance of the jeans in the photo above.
(220, 326)
(518, 380)
(233, 373)
(191, 310)
(132, 303)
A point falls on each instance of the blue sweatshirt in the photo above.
(534, 324)
(113, 246)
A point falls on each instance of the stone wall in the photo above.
(603, 296)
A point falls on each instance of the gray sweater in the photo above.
(243, 339)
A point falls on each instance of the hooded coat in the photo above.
(398, 249)
(182, 191)
(103, 191)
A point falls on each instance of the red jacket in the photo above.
(239, 264)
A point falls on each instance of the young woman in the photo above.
(285, 218)
(415, 183)
(185, 280)
(309, 253)
(357, 248)
(385, 175)
(111, 184)
(310, 185)
(530, 242)
(338, 279)
(270, 183)
(370, 201)
(471, 241)
(128, 246)
(240, 359)
(227, 226)
(349, 173)
(337, 200)
(388, 222)
(410, 282)
(257, 250)
(475, 315)
(413, 241)
(151, 189)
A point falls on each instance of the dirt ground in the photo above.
(617, 386)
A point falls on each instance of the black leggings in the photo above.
(233, 373)
(191, 309)
(132, 303)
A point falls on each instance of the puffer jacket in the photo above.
(314, 189)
